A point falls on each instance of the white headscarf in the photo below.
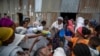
(79, 22)
(36, 23)
(59, 52)
(60, 18)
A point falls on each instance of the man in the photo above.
(57, 25)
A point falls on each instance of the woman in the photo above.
(82, 36)
(6, 37)
(70, 26)
(79, 23)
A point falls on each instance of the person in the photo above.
(86, 23)
(23, 28)
(79, 23)
(59, 52)
(93, 44)
(81, 36)
(70, 26)
(81, 50)
(6, 37)
(70, 32)
(42, 26)
(44, 51)
(43, 23)
(57, 25)
(7, 22)
(27, 19)
(56, 41)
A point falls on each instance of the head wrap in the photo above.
(6, 22)
(79, 22)
(70, 25)
(59, 52)
(60, 18)
(79, 30)
(5, 34)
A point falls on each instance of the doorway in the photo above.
(69, 15)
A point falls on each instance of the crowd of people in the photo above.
(65, 37)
